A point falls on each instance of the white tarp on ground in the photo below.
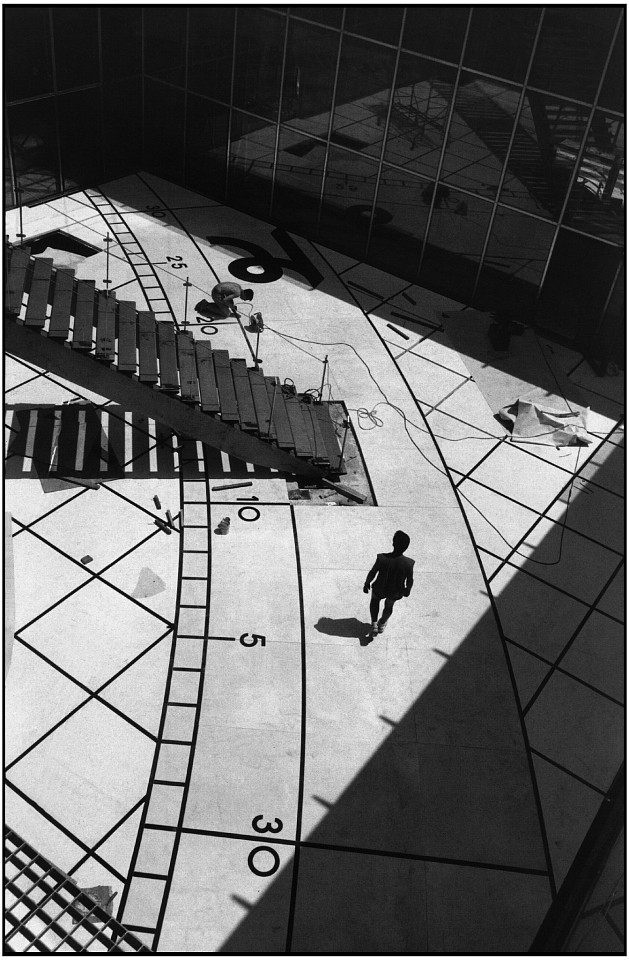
(543, 418)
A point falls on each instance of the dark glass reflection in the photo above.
(611, 338)
(348, 195)
(612, 93)
(251, 154)
(597, 199)
(211, 48)
(331, 14)
(311, 57)
(9, 195)
(27, 59)
(419, 113)
(362, 95)
(298, 181)
(75, 33)
(259, 53)
(437, 31)
(33, 134)
(378, 23)
(121, 41)
(122, 126)
(207, 127)
(500, 40)
(455, 241)
(576, 286)
(514, 262)
(480, 130)
(163, 129)
(546, 143)
(399, 224)
(572, 48)
(81, 157)
(165, 43)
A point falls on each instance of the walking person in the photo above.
(393, 574)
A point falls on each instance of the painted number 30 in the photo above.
(267, 827)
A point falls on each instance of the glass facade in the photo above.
(478, 151)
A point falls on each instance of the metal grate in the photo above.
(46, 912)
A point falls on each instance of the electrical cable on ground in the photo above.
(364, 414)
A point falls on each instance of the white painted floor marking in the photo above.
(225, 461)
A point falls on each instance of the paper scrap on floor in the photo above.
(540, 417)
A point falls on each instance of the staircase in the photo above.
(46, 912)
(90, 338)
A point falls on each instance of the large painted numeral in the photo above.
(256, 870)
(263, 267)
(268, 827)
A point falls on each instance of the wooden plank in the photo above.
(189, 389)
(38, 296)
(321, 454)
(207, 379)
(225, 386)
(16, 281)
(261, 403)
(104, 380)
(168, 370)
(303, 447)
(105, 327)
(84, 315)
(244, 397)
(62, 304)
(281, 423)
(147, 346)
(330, 437)
(127, 337)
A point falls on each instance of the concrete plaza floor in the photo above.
(311, 789)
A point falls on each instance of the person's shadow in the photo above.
(347, 627)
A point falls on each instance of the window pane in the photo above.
(379, 23)
(75, 32)
(211, 51)
(165, 43)
(121, 41)
(330, 14)
(597, 200)
(547, 139)
(259, 53)
(612, 94)
(122, 126)
(514, 262)
(251, 156)
(611, 338)
(362, 95)
(482, 121)
(34, 145)
(436, 31)
(399, 225)
(298, 181)
(421, 101)
(572, 49)
(349, 187)
(309, 77)
(206, 146)
(455, 242)
(580, 274)
(501, 39)
(27, 62)
(81, 157)
(163, 132)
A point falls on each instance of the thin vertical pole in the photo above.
(185, 309)
(325, 367)
(272, 408)
(347, 422)
(257, 363)
(107, 281)
(18, 194)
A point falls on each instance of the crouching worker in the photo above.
(394, 580)
(224, 295)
